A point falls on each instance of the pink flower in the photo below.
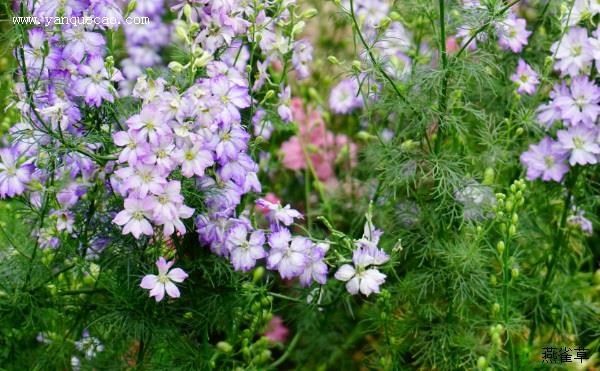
(525, 78)
(164, 281)
(316, 143)
(276, 330)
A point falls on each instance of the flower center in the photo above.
(163, 278)
(138, 215)
(578, 142)
(549, 161)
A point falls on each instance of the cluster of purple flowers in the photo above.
(574, 108)
(63, 68)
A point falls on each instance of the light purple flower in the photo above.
(135, 217)
(525, 78)
(94, 85)
(277, 214)
(289, 259)
(245, 251)
(581, 106)
(14, 176)
(142, 179)
(361, 276)
(548, 114)
(193, 159)
(80, 42)
(135, 146)
(573, 52)
(512, 33)
(583, 144)
(345, 97)
(547, 160)
(164, 281)
(579, 220)
(316, 269)
(64, 220)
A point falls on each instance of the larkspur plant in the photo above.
(266, 185)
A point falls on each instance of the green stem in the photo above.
(288, 351)
(443, 102)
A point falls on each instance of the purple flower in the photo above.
(546, 160)
(64, 220)
(13, 175)
(134, 217)
(232, 98)
(301, 58)
(316, 269)
(142, 179)
(245, 251)
(525, 78)
(289, 259)
(345, 97)
(164, 281)
(284, 109)
(573, 52)
(136, 148)
(232, 140)
(548, 114)
(582, 104)
(80, 42)
(193, 159)
(277, 214)
(582, 143)
(579, 220)
(94, 85)
(150, 123)
(361, 275)
(512, 33)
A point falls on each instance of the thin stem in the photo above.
(443, 102)
(288, 351)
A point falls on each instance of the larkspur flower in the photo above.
(14, 175)
(344, 97)
(316, 269)
(287, 254)
(245, 248)
(546, 160)
(278, 214)
(134, 218)
(164, 281)
(525, 78)
(512, 33)
(582, 104)
(579, 220)
(94, 84)
(573, 52)
(549, 113)
(582, 143)
(194, 159)
(362, 275)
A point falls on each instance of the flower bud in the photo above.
(500, 247)
(519, 132)
(258, 274)
(224, 347)
(514, 273)
(514, 219)
(309, 13)
(298, 28)
(187, 11)
(481, 362)
(495, 308)
(493, 280)
(512, 230)
(488, 176)
(356, 65)
(395, 16)
(131, 7)
(333, 60)
(176, 67)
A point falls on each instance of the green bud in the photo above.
(493, 280)
(298, 28)
(488, 176)
(365, 136)
(509, 206)
(481, 362)
(224, 347)
(395, 16)
(519, 132)
(499, 328)
(514, 273)
(356, 65)
(512, 230)
(496, 338)
(309, 13)
(385, 22)
(131, 7)
(255, 307)
(188, 315)
(176, 67)
(515, 219)
(495, 308)
(597, 277)
(269, 94)
(258, 274)
(500, 247)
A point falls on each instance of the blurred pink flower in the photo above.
(276, 330)
(317, 143)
